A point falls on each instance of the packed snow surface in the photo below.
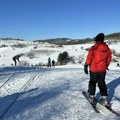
(28, 93)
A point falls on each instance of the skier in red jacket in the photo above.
(98, 60)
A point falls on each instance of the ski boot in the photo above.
(91, 99)
(104, 101)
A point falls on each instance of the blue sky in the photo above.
(44, 19)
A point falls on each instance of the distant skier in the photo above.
(49, 62)
(16, 58)
(98, 60)
(53, 63)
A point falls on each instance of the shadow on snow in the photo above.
(29, 102)
(112, 86)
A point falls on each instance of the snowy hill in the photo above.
(10, 48)
(38, 52)
(52, 94)
(41, 93)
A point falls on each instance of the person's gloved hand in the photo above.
(86, 69)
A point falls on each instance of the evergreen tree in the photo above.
(62, 57)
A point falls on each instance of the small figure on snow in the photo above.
(53, 63)
(118, 65)
(49, 62)
(16, 58)
(98, 60)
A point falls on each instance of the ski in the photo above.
(93, 105)
(108, 107)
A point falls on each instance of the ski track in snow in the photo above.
(52, 94)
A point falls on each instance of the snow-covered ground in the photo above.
(38, 53)
(41, 93)
(52, 94)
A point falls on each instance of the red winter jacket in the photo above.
(99, 57)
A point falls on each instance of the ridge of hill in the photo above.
(113, 37)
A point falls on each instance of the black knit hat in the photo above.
(99, 37)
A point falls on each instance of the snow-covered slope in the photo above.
(52, 94)
(41, 93)
(37, 53)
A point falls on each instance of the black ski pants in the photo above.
(97, 77)
(14, 59)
